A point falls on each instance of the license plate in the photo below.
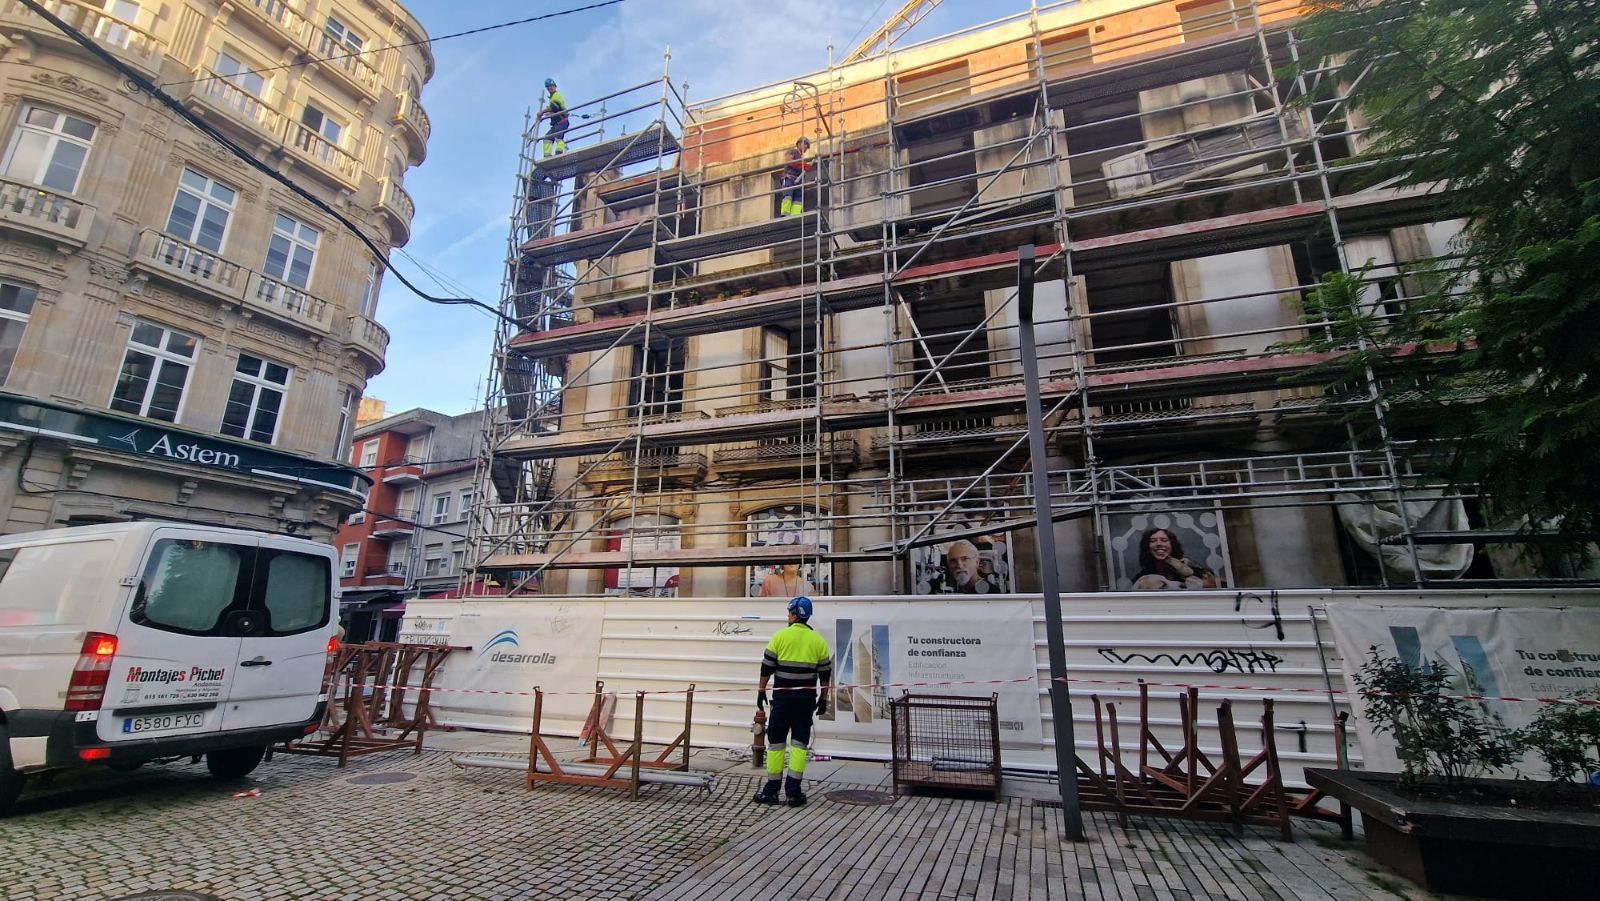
(163, 722)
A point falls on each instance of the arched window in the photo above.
(642, 536)
(789, 524)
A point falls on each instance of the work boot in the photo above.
(791, 791)
(768, 793)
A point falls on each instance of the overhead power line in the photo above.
(137, 79)
(425, 41)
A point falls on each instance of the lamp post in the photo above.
(1045, 541)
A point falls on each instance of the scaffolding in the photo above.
(685, 356)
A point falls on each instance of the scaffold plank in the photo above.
(657, 557)
(739, 238)
(588, 243)
(622, 150)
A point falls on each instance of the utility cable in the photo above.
(417, 43)
(144, 84)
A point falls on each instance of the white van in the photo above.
(130, 642)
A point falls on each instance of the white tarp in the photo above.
(1531, 652)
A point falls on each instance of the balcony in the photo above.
(391, 574)
(338, 60)
(370, 339)
(407, 471)
(394, 526)
(411, 117)
(329, 156)
(214, 91)
(134, 38)
(286, 17)
(394, 202)
(193, 266)
(289, 302)
(41, 212)
(663, 469)
(775, 457)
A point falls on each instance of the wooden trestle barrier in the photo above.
(1186, 783)
(368, 687)
(603, 769)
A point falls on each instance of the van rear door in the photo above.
(281, 662)
(178, 642)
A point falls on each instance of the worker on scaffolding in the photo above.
(555, 109)
(799, 660)
(796, 164)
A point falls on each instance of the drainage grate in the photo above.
(859, 796)
(168, 896)
(381, 778)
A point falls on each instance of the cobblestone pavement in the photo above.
(313, 833)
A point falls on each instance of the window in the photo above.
(405, 507)
(1207, 18)
(369, 292)
(433, 560)
(347, 560)
(655, 383)
(322, 124)
(342, 37)
(155, 371)
(292, 252)
(932, 85)
(201, 210)
(188, 586)
(296, 593)
(369, 454)
(49, 149)
(643, 535)
(441, 509)
(417, 448)
(1063, 52)
(256, 399)
(466, 502)
(458, 559)
(16, 304)
(789, 524)
(341, 436)
(251, 86)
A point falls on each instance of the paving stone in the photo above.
(481, 834)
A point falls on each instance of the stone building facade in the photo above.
(181, 336)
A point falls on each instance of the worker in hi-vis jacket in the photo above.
(555, 109)
(795, 167)
(797, 661)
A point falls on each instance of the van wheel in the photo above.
(234, 763)
(10, 780)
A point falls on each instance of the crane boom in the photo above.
(890, 31)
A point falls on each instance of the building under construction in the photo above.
(708, 394)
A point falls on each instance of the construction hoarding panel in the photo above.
(512, 646)
(1491, 654)
(883, 650)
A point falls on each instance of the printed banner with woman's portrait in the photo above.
(1169, 548)
(787, 524)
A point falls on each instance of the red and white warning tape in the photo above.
(1267, 689)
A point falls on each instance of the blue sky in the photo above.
(439, 356)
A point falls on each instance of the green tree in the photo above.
(1497, 103)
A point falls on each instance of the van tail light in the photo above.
(333, 645)
(95, 754)
(90, 674)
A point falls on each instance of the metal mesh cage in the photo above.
(946, 741)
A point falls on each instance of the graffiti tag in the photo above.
(1218, 660)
